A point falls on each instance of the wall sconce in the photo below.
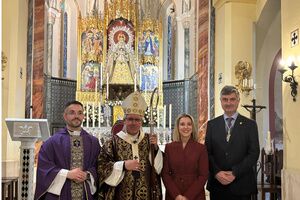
(243, 72)
(247, 86)
(290, 79)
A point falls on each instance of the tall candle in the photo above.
(170, 116)
(101, 77)
(107, 87)
(99, 114)
(254, 91)
(87, 114)
(140, 76)
(268, 147)
(134, 81)
(93, 110)
(96, 87)
(269, 138)
(157, 117)
(165, 112)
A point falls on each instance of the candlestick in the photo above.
(165, 112)
(170, 116)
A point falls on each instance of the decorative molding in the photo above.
(219, 3)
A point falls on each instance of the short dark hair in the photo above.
(229, 89)
(73, 103)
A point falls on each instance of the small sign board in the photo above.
(24, 129)
(294, 38)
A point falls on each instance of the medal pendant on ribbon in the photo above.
(228, 136)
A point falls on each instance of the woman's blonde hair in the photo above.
(176, 134)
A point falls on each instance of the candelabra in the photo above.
(243, 71)
(247, 86)
(290, 79)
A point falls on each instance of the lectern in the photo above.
(27, 131)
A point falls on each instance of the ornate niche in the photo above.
(120, 49)
(121, 63)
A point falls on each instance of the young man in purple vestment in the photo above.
(67, 161)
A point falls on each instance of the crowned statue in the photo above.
(121, 62)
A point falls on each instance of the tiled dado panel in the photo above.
(203, 26)
(38, 60)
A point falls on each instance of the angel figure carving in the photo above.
(243, 70)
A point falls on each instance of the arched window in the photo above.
(170, 33)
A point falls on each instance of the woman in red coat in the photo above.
(185, 168)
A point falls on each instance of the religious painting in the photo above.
(149, 44)
(149, 77)
(91, 45)
(90, 75)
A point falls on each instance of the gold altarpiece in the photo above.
(117, 55)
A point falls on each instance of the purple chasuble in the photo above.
(55, 154)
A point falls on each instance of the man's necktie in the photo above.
(228, 128)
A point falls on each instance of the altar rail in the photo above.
(182, 94)
(104, 133)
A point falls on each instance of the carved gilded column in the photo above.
(52, 14)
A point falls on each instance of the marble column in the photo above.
(38, 60)
(28, 111)
(203, 56)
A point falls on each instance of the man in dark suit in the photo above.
(233, 149)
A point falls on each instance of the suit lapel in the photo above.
(222, 129)
(236, 127)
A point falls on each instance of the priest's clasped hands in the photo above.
(77, 175)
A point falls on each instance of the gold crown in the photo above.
(134, 104)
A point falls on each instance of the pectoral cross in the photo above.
(76, 143)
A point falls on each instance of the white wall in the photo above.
(268, 44)
(14, 45)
